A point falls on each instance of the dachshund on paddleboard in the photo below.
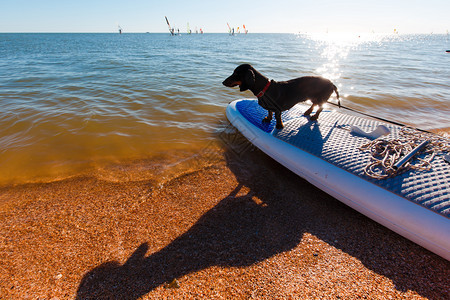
(277, 96)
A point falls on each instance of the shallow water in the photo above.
(70, 103)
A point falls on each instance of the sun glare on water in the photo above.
(335, 48)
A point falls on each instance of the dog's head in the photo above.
(244, 76)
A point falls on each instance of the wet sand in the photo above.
(233, 225)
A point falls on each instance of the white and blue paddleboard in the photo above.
(415, 203)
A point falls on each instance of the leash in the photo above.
(376, 117)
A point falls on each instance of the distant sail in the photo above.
(171, 30)
(120, 29)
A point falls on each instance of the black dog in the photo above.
(277, 96)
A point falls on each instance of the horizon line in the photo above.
(222, 32)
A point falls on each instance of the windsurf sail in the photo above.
(229, 29)
(245, 29)
(171, 30)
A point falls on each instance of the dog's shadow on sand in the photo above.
(243, 229)
(238, 231)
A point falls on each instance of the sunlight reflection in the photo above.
(333, 53)
(335, 48)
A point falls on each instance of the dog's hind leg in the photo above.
(309, 111)
(316, 115)
(268, 118)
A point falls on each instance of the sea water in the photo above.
(70, 102)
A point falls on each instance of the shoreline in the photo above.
(224, 224)
(147, 167)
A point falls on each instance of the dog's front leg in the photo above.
(279, 121)
(268, 118)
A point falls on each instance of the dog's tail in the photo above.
(337, 95)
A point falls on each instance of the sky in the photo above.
(279, 16)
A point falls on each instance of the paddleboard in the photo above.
(326, 152)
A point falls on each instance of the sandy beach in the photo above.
(225, 224)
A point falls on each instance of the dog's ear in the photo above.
(249, 80)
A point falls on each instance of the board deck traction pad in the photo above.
(330, 139)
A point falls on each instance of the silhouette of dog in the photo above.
(277, 96)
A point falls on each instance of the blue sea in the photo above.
(73, 103)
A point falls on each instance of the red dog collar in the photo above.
(260, 94)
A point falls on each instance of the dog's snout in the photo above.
(225, 82)
(230, 82)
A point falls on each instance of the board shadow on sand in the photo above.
(240, 231)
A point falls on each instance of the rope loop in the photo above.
(385, 153)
